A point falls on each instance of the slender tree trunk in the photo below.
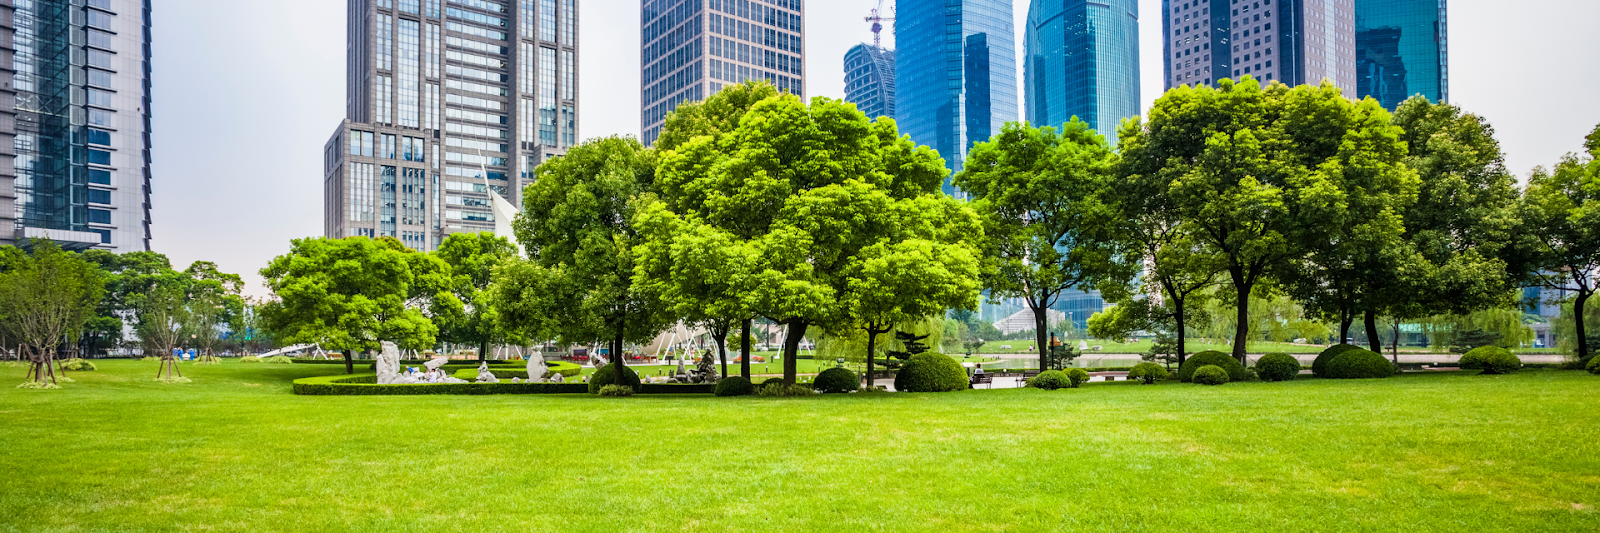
(1583, 334)
(1395, 345)
(483, 350)
(1182, 349)
(1241, 328)
(744, 349)
(721, 336)
(1344, 325)
(349, 363)
(872, 348)
(1370, 320)
(1041, 329)
(791, 350)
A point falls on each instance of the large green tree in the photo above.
(46, 296)
(1047, 227)
(472, 258)
(1560, 214)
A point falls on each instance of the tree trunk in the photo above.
(1178, 302)
(617, 359)
(721, 336)
(1395, 345)
(483, 350)
(1041, 328)
(349, 365)
(1583, 334)
(1344, 325)
(744, 349)
(791, 350)
(872, 347)
(1241, 328)
(1370, 320)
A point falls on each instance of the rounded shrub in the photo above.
(1319, 366)
(1050, 380)
(1077, 376)
(606, 375)
(1149, 373)
(78, 364)
(249, 359)
(1501, 362)
(616, 390)
(1360, 364)
(780, 388)
(1236, 371)
(1594, 366)
(837, 380)
(1210, 375)
(1277, 367)
(735, 386)
(930, 372)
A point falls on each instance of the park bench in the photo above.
(982, 379)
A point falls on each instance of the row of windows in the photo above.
(474, 59)
(482, 4)
(679, 58)
(475, 159)
(468, 129)
(476, 145)
(387, 146)
(475, 31)
(749, 10)
(476, 45)
(475, 87)
(474, 102)
(465, 114)
(475, 17)
(469, 72)
(478, 173)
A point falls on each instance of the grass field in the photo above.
(234, 451)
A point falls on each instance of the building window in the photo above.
(100, 19)
(98, 176)
(100, 78)
(100, 137)
(410, 72)
(100, 58)
(385, 40)
(99, 216)
(100, 157)
(99, 196)
(100, 117)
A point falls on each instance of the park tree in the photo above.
(1260, 177)
(472, 258)
(46, 297)
(353, 293)
(1047, 228)
(128, 276)
(1560, 215)
(699, 272)
(577, 227)
(162, 321)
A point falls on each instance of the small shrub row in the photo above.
(77, 364)
(781, 388)
(249, 359)
(1319, 366)
(279, 359)
(1059, 379)
(1236, 371)
(616, 390)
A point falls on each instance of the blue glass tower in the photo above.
(1081, 59)
(955, 73)
(869, 80)
(1401, 50)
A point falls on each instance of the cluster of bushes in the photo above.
(77, 364)
(361, 385)
(607, 375)
(836, 380)
(616, 390)
(1491, 360)
(1594, 366)
(1209, 375)
(280, 359)
(930, 372)
(1277, 367)
(1235, 371)
(1343, 361)
(249, 359)
(1059, 379)
(735, 386)
(779, 387)
(1148, 373)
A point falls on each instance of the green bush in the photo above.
(930, 372)
(616, 390)
(1077, 376)
(38, 385)
(1594, 366)
(780, 388)
(1210, 375)
(1478, 358)
(148, 358)
(1319, 366)
(1236, 371)
(1050, 380)
(605, 376)
(1278, 367)
(1149, 373)
(77, 364)
(735, 386)
(837, 380)
(282, 359)
(1500, 362)
(367, 384)
(249, 359)
(1360, 364)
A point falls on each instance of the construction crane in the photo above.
(877, 24)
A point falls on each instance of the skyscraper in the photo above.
(75, 167)
(955, 73)
(869, 80)
(692, 48)
(1081, 59)
(450, 105)
(1293, 41)
(1401, 50)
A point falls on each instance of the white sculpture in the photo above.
(536, 367)
(1083, 345)
(435, 363)
(484, 375)
(388, 363)
(556, 378)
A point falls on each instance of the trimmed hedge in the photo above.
(1077, 376)
(1050, 380)
(1278, 367)
(676, 388)
(1491, 360)
(735, 386)
(1319, 366)
(930, 372)
(835, 380)
(1236, 371)
(1149, 373)
(603, 377)
(367, 384)
(1360, 364)
(1210, 375)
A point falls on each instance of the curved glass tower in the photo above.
(1401, 50)
(955, 73)
(1081, 59)
(869, 79)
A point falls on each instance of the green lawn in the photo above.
(234, 451)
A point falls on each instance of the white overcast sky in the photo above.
(247, 92)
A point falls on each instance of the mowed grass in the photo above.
(235, 451)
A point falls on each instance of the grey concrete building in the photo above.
(1293, 41)
(446, 102)
(75, 139)
(691, 49)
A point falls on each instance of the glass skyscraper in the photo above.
(869, 80)
(955, 73)
(1401, 50)
(1081, 59)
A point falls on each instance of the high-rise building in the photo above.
(869, 79)
(1401, 50)
(450, 104)
(75, 143)
(1081, 59)
(955, 73)
(1293, 41)
(692, 48)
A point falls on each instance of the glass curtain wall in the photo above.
(1082, 60)
(1401, 50)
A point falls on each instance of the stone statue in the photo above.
(484, 375)
(388, 363)
(706, 370)
(556, 378)
(536, 367)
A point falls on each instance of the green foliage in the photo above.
(1164, 349)
(38, 385)
(47, 296)
(1360, 364)
(1491, 360)
(911, 344)
(1210, 375)
(472, 258)
(1319, 366)
(735, 386)
(1560, 249)
(606, 375)
(280, 359)
(1471, 339)
(1593, 366)
(1148, 373)
(784, 389)
(77, 364)
(366, 385)
(249, 359)
(1077, 376)
(1236, 371)
(837, 380)
(564, 368)
(1050, 380)
(1474, 359)
(207, 360)
(616, 391)
(149, 358)
(930, 372)
(1277, 367)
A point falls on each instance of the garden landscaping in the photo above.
(236, 450)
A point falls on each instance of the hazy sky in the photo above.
(248, 91)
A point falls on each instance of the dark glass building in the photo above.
(1401, 50)
(1081, 59)
(1292, 41)
(869, 79)
(955, 73)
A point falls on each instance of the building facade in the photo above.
(869, 79)
(955, 73)
(75, 163)
(1402, 50)
(449, 104)
(1292, 41)
(1081, 59)
(690, 49)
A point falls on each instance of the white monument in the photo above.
(536, 367)
(388, 363)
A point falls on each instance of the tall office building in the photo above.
(446, 102)
(1401, 50)
(75, 143)
(1293, 41)
(1081, 59)
(955, 73)
(692, 48)
(869, 79)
